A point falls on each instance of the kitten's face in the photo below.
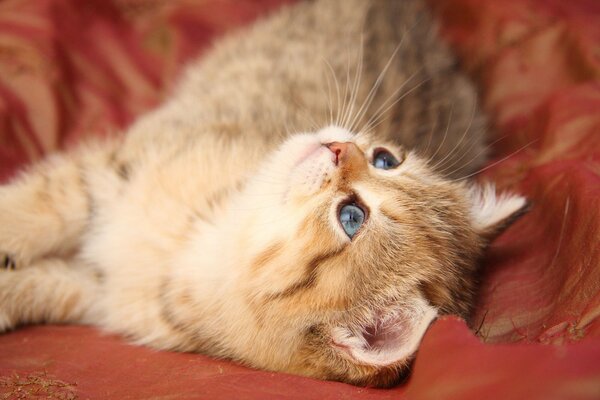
(356, 247)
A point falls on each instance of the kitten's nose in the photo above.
(343, 152)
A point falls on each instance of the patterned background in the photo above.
(72, 69)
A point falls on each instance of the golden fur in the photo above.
(210, 227)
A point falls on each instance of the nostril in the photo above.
(338, 149)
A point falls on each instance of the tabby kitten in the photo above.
(296, 205)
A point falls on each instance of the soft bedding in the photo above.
(70, 70)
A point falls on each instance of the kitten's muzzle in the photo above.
(346, 154)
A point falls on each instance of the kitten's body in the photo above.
(201, 230)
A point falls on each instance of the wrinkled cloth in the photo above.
(74, 69)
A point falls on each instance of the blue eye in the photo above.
(383, 159)
(351, 218)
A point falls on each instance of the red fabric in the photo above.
(71, 69)
(538, 62)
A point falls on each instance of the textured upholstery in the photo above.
(73, 69)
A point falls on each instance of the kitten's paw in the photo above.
(5, 323)
(7, 261)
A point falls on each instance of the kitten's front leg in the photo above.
(50, 290)
(44, 211)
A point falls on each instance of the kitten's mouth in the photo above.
(311, 150)
(307, 152)
(392, 336)
(309, 170)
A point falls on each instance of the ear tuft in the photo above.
(492, 214)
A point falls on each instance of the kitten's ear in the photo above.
(388, 339)
(492, 214)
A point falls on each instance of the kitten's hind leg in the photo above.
(49, 290)
(44, 211)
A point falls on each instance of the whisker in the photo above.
(312, 123)
(337, 88)
(462, 138)
(381, 118)
(354, 87)
(445, 135)
(346, 88)
(430, 136)
(329, 99)
(379, 111)
(497, 162)
(371, 95)
(356, 83)
(482, 151)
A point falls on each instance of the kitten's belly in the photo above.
(137, 232)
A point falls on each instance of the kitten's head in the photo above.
(357, 245)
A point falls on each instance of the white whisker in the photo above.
(480, 152)
(445, 135)
(497, 162)
(337, 89)
(329, 99)
(430, 136)
(355, 86)
(345, 105)
(372, 124)
(371, 95)
(460, 141)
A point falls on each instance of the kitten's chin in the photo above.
(310, 172)
(306, 151)
(391, 337)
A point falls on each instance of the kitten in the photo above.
(325, 252)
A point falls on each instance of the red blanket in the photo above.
(70, 69)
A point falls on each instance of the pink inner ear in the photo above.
(383, 336)
(391, 337)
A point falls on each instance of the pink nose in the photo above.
(340, 150)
